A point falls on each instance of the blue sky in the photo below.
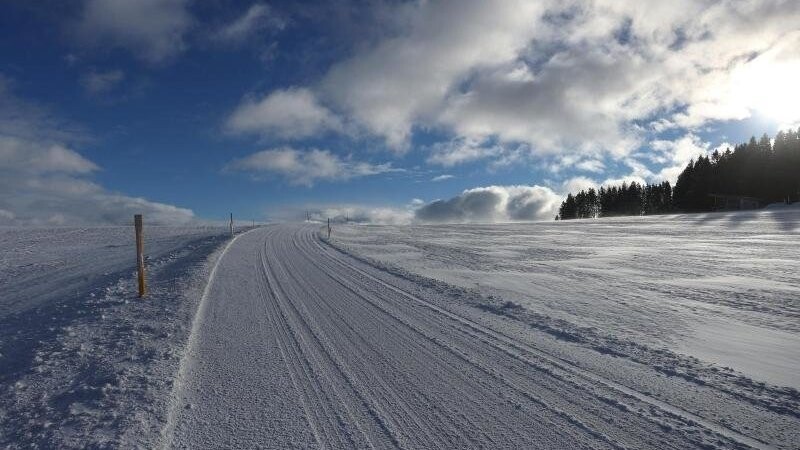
(187, 110)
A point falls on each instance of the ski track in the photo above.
(297, 344)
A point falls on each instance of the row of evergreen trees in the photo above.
(626, 200)
(761, 169)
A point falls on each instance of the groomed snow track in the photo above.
(299, 345)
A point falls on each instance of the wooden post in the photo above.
(137, 221)
(231, 224)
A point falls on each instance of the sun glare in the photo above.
(770, 89)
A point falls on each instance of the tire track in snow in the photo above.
(361, 346)
(325, 427)
(498, 376)
(464, 356)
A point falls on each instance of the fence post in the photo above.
(137, 221)
(329, 227)
(231, 224)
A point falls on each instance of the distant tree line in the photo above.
(762, 170)
(625, 200)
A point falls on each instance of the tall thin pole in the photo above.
(231, 224)
(137, 221)
(329, 227)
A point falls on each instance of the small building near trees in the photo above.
(726, 202)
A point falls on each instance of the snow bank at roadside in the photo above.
(92, 365)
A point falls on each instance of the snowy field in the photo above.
(83, 361)
(722, 287)
(675, 331)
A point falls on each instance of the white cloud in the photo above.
(493, 204)
(291, 113)
(45, 182)
(467, 150)
(442, 177)
(305, 167)
(47, 186)
(257, 18)
(556, 111)
(588, 78)
(376, 215)
(675, 155)
(664, 161)
(591, 165)
(461, 151)
(39, 159)
(577, 184)
(404, 78)
(153, 29)
(101, 82)
(479, 205)
(352, 213)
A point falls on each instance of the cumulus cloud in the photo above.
(493, 204)
(257, 18)
(41, 159)
(405, 77)
(375, 215)
(554, 110)
(488, 204)
(95, 82)
(290, 113)
(592, 78)
(305, 167)
(43, 181)
(442, 177)
(43, 184)
(152, 29)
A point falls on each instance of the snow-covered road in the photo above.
(297, 344)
